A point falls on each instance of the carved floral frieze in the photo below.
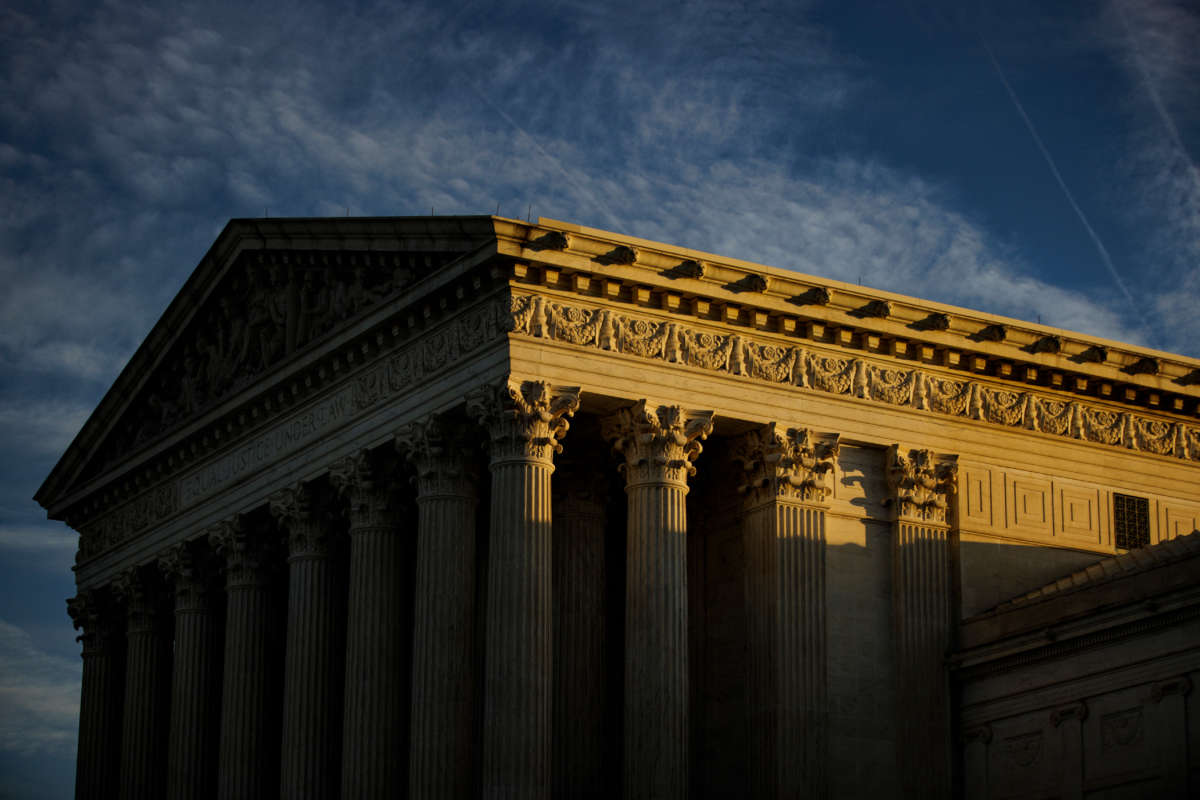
(793, 365)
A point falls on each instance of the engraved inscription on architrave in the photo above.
(392, 375)
(301, 430)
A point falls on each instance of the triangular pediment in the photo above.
(267, 294)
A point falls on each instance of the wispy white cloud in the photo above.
(1155, 42)
(40, 426)
(39, 696)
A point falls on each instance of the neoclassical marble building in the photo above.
(475, 507)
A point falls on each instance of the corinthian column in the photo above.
(444, 651)
(98, 758)
(196, 676)
(378, 659)
(525, 422)
(580, 500)
(922, 486)
(248, 738)
(659, 445)
(789, 477)
(147, 685)
(312, 687)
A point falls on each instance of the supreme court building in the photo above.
(475, 507)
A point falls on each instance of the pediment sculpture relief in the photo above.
(268, 307)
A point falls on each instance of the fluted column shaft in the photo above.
(659, 445)
(196, 680)
(377, 686)
(785, 592)
(922, 608)
(923, 613)
(656, 694)
(518, 680)
(100, 702)
(248, 767)
(444, 653)
(525, 422)
(147, 689)
(310, 759)
(579, 634)
(788, 481)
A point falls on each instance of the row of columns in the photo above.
(351, 729)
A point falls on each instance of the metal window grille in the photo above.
(1131, 521)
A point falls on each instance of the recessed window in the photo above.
(1131, 521)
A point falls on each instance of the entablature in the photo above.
(627, 271)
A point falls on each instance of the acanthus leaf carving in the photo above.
(792, 464)
(250, 554)
(525, 420)
(305, 513)
(440, 453)
(190, 567)
(922, 485)
(93, 612)
(370, 481)
(659, 443)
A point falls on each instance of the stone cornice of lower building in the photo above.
(1057, 641)
(378, 359)
(786, 357)
(1165, 668)
(708, 288)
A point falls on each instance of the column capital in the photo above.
(190, 566)
(93, 612)
(305, 515)
(525, 420)
(248, 557)
(795, 464)
(659, 442)
(141, 591)
(922, 483)
(440, 453)
(369, 481)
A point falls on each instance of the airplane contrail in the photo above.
(613, 222)
(1062, 184)
(1155, 98)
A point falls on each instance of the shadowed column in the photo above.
(658, 445)
(525, 423)
(248, 736)
(98, 758)
(147, 684)
(922, 486)
(378, 615)
(580, 498)
(444, 674)
(310, 758)
(196, 675)
(789, 476)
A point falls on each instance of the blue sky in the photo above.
(1031, 159)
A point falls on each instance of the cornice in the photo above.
(652, 275)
